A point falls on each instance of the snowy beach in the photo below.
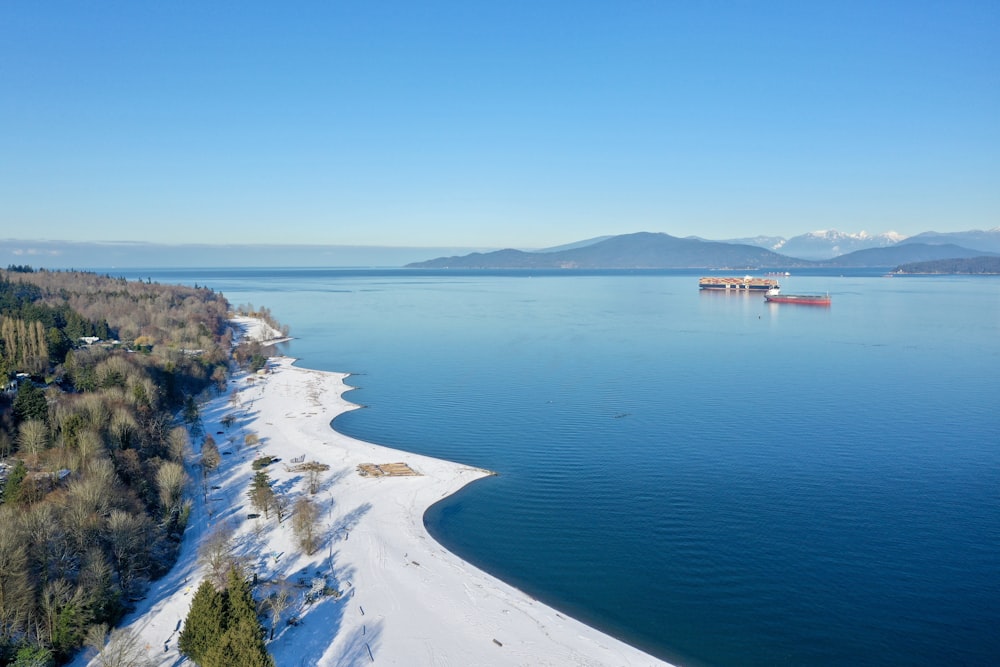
(392, 594)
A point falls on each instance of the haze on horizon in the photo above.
(512, 125)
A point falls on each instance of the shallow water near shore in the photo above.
(717, 480)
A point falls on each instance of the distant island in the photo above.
(989, 265)
(642, 250)
(647, 250)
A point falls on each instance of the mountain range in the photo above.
(650, 250)
(825, 244)
(828, 244)
(662, 251)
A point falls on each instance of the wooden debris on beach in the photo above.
(311, 466)
(386, 470)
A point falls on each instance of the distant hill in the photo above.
(121, 255)
(902, 253)
(987, 241)
(642, 250)
(769, 242)
(970, 265)
(577, 244)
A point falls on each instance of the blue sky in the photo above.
(503, 124)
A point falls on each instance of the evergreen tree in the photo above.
(261, 494)
(190, 410)
(30, 403)
(222, 629)
(243, 641)
(240, 603)
(241, 645)
(12, 489)
(34, 656)
(205, 623)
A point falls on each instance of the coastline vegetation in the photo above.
(99, 375)
(987, 265)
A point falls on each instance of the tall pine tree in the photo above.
(240, 602)
(205, 623)
(222, 629)
(241, 645)
(243, 642)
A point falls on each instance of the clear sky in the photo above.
(517, 123)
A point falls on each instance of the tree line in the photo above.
(91, 456)
(987, 265)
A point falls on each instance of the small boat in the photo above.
(775, 296)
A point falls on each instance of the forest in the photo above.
(987, 265)
(99, 375)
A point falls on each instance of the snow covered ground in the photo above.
(256, 329)
(403, 599)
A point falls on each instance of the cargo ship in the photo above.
(804, 299)
(744, 284)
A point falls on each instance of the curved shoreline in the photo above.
(404, 599)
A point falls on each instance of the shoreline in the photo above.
(403, 598)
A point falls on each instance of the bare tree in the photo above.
(281, 504)
(179, 444)
(210, 458)
(277, 602)
(33, 437)
(128, 536)
(121, 648)
(49, 546)
(88, 443)
(95, 490)
(16, 589)
(170, 481)
(216, 554)
(97, 577)
(96, 410)
(314, 471)
(219, 377)
(123, 427)
(305, 524)
(83, 523)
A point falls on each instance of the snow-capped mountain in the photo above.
(824, 244)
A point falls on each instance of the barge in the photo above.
(744, 284)
(804, 299)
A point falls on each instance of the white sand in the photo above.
(405, 599)
(256, 329)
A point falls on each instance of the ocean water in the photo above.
(717, 480)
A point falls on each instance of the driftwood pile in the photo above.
(386, 470)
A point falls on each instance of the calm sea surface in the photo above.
(717, 480)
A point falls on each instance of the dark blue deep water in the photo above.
(714, 479)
